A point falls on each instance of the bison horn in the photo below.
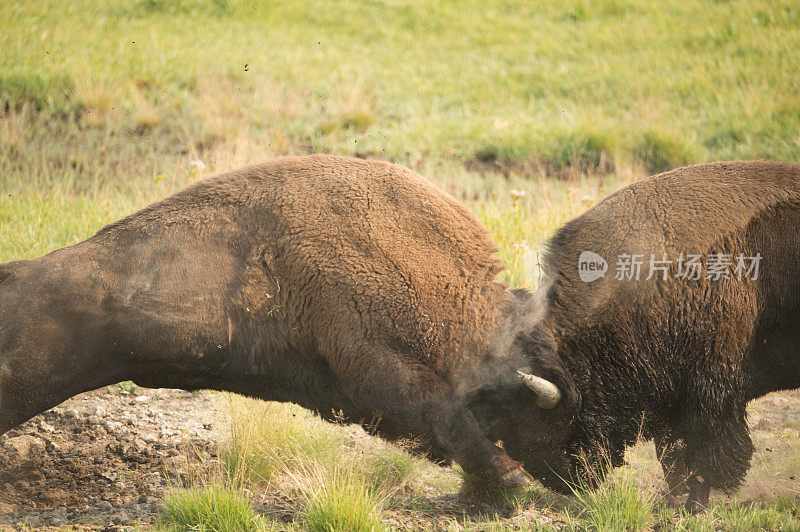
(548, 394)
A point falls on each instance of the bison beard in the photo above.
(675, 359)
(354, 288)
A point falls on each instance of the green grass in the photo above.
(212, 508)
(268, 439)
(341, 482)
(617, 505)
(499, 498)
(341, 501)
(595, 85)
(780, 514)
(123, 388)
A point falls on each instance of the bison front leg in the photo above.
(671, 453)
(699, 493)
(392, 432)
(456, 429)
(718, 444)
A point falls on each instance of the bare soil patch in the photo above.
(103, 459)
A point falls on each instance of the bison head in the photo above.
(536, 412)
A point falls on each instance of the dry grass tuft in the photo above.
(146, 118)
(97, 102)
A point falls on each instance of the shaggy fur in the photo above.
(354, 288)
(676, 359)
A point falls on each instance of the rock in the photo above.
(34, 521)
(25, 446)
(47, 427)
(120, 518)
(112, 426)
(148, 437)
(105, 506)
(139, 399)
(50, 444)
(176, 463)
(71, 413)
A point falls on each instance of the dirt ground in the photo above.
(103, 461)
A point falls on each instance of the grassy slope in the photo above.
(660, 83)
(103, 106)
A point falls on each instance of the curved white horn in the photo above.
(548, 395)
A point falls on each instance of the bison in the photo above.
(673, 351)
(354, 288)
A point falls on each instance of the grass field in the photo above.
(528, 112)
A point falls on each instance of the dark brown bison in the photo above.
(345, 286)
(712, 322)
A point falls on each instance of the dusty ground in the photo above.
(103, 460)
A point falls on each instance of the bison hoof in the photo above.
(695, 507)
(515, 478)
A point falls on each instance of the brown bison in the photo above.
(668, 307)
(350, 287)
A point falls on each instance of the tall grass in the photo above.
(344, 481)
(269, 439)
(212, 508)
(780, 514)
(618, 505)
(341, 500)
